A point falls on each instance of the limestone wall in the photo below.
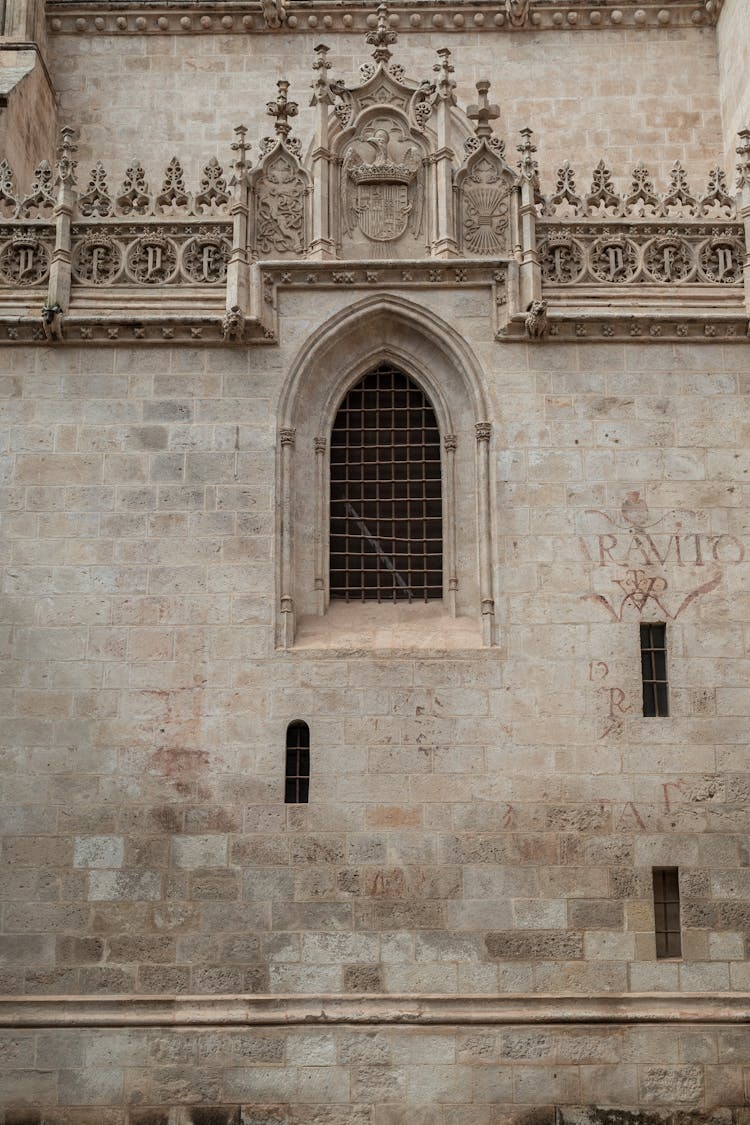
(481, 820)
(733, 40)
(626, 95)
(477, 1075)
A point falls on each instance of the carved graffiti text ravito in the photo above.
(642, 549)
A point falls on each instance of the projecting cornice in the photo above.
(613, 1009)
(181, 17)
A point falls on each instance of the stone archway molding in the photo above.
(382, 327)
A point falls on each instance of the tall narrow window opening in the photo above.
(386, 500)
(297, 784)
(667, 912)
(654, 670)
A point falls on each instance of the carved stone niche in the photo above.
(381, 153)
(280, 192)
(486, 201)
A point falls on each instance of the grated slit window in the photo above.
(386, 493)
(654, 670)
(667, 912)
(297, 783)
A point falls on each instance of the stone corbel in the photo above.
(517, 12)
(713, 9)
(274, 13)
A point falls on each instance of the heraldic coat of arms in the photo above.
(382, 174)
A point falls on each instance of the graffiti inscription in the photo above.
(640, 548)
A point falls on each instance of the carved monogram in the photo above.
(24, 261)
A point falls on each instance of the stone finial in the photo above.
(241, 147)
(382, 37)
(321, 57)
(66, 165)
(444, 69)
(483, 113)
(282, 109)
(527, 165)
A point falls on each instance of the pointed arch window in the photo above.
(386, 507)
(297, 778)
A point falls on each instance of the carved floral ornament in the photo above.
(284, 16)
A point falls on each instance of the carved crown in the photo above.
(386, 173)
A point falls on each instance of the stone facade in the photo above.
(459, 926)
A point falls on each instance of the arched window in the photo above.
(297, 782)
(386, 512)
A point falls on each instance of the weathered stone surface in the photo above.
(483, 819)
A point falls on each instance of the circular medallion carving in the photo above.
(668, 259)
(205, 260)
(152, 260)
(24, 261)
(562, 260)
(721, 260)
(614, 259)
(97, 260)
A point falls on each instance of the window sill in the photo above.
(367, 627)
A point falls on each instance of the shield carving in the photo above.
(383, 209)
(382, 182)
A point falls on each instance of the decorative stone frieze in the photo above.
(274, 17)
(390, 196)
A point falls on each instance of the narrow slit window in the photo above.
(667, 912)
(654, 670)
(297, 784)
(386, 493)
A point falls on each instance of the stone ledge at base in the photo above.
(395, 1010)
(299, 1114)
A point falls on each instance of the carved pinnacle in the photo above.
(483, 113)
(743, 152)
(241, 147)
(66, 164)
(321, 57)
(444, 68)
(282, 109)
(527, 164)
(382, 37)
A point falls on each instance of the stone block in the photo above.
(671, 1085)
(200, 851)
(125, 886)
(533, 945)
(98, 851)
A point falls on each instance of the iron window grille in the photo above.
(386, 509)
(654, 670)
(667, 912)
(297, 783)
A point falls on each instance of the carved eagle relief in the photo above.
(383, 183)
